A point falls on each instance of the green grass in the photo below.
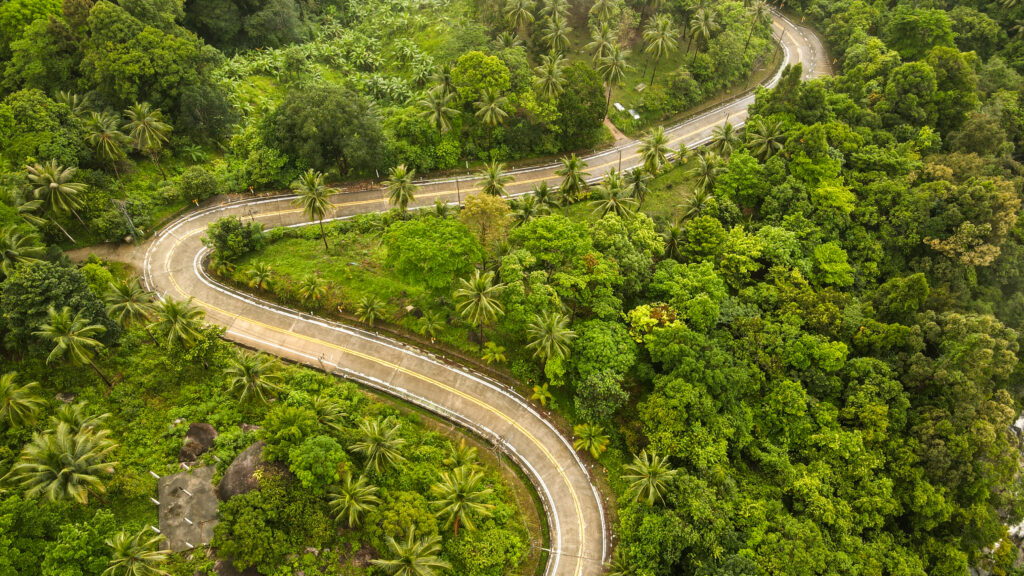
(667, 192)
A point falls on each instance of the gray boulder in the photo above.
(198, 440)
(240, 478)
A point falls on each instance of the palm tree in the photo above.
(654, 150)
(554, 8)
(55, 189)
(508, 40)
(556, 34)
(353, 499)
(549, 82)
(136, 554)
(493, 353)
(494, 179)
(442, 209)
(313, 198)
(460, 455)
(461, 497)
(603, 10)
(443, 78)
(703, 24)
(574, 179)
(17, 247)
(549, 335)
(401, 188)
(128, 304)
(636, 185)
(370, 309)
(649, 477)
(107, 139)
(612, 196)
(724, 139)
(1017, 30)
(329, 413)
(77, 417)
(674, 240)
(181, 321)
(260, 275)
(491, 110)
(706, 170)
(73, 338)
(542, 394)
(613, 69)
(64, 465)
(525, 209)
(436, 108)
(590, 437)
(77, 103)
(765, 137)
(430, 324)
(380, 443)
(413, 557)
(519, 14)
(694, 204)
(545, 196)
(19, 405)
(476, 300)
(660, 39)
(147, 130)
(620, 564)
(760, 15)
(252, 375)
(603, 39)
(312, 288)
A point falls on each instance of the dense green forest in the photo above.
(795, 351)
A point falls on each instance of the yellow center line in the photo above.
(414, 374)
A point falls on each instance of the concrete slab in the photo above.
(188, 508)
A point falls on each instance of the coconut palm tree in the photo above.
(129, 304)
(370, 309)
(461, 497)
(603, 40)
(460, 455)
(442, 209)
(412, 557)
(694, 204)
(401, 189)
(78, 104)
(329, 413)
(574, 179)
(251, 375)
(180, 320)
(550, 81)
(649, 477)
(78, 417)
(706, 169)
(494, 179)
(703, 24)
(508, 40)
(147, 130)
(765, 137)
(490, 109)
(106, 138)
(654, 150)
(73, 338)
(590, 437)
(19, 405)
(636, 185)
(612, 69)
(437, 110)
(379, 444)
(312, 289)
(443, 78)
(760, 15)
(725, 139)
(611, 196)
(660, 38)
(353, 499)
(430, 324)
(136, 554)
(56, 191)
(63, 465)
(476, 300)
(17, 247)
(519, 14)
(556, 34)
(259, 276)
(313, 198)
(554, 8)
(603, 10)
(525, 209)
(674, 240)
(546, 197)
(549, 335)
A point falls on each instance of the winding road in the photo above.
(580, 540)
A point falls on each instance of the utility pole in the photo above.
(120, 205)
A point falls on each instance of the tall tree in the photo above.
(436, 108)
(550, 80)
(314, 199)
(461, 497)
(706, 169)
(519, 14)
(549, 335)
(611, 196)
(250, 375)
(660, 38)
(760, 15)
(147, 131)
(654, 150)
(180, 320)
(19, 404)
(494, 179)
(18, 247)
(725, 139)
(401, 188)
(64, 465)
(55, 189)
(603, 10)
(353, 499)
(490, 109)
(476, 300)
(379, 443)
(703, 25)
(106, 138)
(574, 179)
(73, 338)
(613, 69)
(137, 554)
(649, 477)
(413, 557)
(128, 304)
(556, 34)
(603, 41)
(636, 185)
(765, 137)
